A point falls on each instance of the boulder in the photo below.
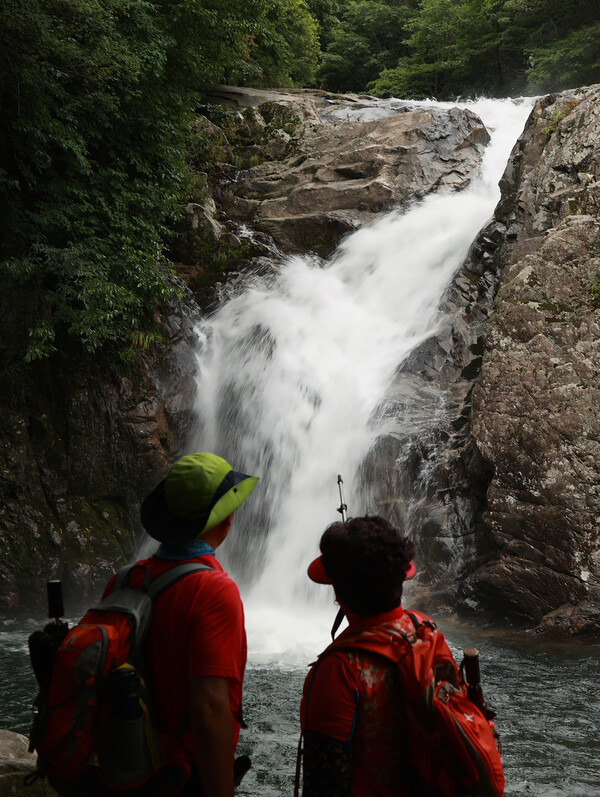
(16, 763)
(342, 174)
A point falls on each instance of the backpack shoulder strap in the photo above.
(392, 646)
(419, 619)
(122, 577)
(162, 582)
(172, 576)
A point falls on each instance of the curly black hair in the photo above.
(366, 559)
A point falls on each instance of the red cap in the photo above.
(317, 572)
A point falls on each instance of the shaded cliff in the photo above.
(81, 445)
(536, 404)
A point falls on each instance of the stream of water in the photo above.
(290, 373)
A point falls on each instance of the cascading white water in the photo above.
(291, 371)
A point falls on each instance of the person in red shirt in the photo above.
(197, 650)
(352, 714)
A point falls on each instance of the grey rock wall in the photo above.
(503, 488)
(536, 404)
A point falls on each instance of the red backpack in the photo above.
(453, 744)
(94, 718)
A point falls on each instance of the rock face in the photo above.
(505, 484)
(536, 405)
(78, 453)
(341, 174)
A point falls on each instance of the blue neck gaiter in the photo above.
(186, 550)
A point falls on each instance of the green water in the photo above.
(547, 699)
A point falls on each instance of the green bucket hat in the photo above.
(199, 492)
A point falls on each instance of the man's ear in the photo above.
(215, 536)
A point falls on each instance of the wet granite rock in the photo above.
(339, 175)
(536, 416)
(16, 763)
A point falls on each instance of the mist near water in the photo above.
(292, 369)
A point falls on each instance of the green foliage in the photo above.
(88, 155)
(434, 55)
(243, 42)
(408, 79)
(212, 40)
(569, 62)
(96, 100)
(367, 39)
(287, 46)
(595, 294)
(324, 9)
(556, 116)
(326, 13)
(451, 48)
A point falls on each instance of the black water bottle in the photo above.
(123, 751)
(56, 607)
(125, 695)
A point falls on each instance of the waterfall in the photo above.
(292, 369)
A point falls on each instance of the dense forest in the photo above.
(97, 98)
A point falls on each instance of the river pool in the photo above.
(547, 698)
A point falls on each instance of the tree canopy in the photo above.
(97, 98)
(367, 38)
(494, 47)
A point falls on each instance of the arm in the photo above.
(212, 728)
(327, 770)
(328, 714)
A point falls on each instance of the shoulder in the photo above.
(214, 580)
(210, 598)
(331, 674)
(330, 696)
(334, 667)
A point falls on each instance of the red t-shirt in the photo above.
(355, 696)
(197, 630)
